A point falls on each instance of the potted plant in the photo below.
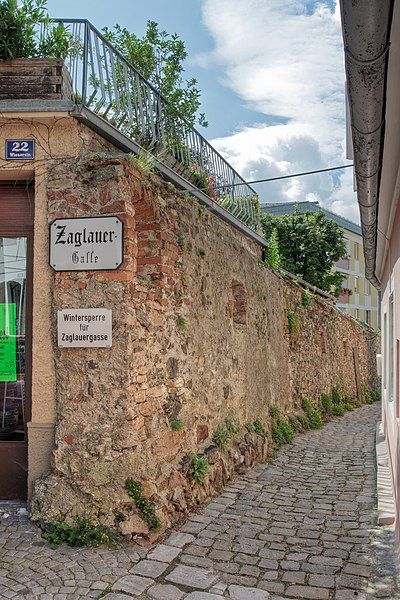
(32, 52)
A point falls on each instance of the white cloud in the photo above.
(285, 60)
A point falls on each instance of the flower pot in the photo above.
(34, 78)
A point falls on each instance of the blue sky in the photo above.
(272, 80)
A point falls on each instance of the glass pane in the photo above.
(12, 338)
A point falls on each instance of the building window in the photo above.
(367, 287)
(358, 313)
(368, 317)
(356, 251)
(356, 285)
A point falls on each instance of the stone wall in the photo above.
(200, 334)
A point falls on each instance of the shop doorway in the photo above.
(16, 245)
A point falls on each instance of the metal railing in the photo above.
(108, 85)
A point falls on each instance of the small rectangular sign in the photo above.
(20, 149)
(84, 328)
(86, 244)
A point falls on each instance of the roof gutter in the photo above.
(366, 33)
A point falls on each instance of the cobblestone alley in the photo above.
(301, 527)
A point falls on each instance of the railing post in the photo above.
(85, 61)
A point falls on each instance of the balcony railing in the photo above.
(108, 85)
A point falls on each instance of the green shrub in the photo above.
(376, 394)
(176, 425)
(221, 437)
(282, 432)
(294, 422)
(326, 405)
(306, 299)
(143, 162)
(370, 396)
(83, 533)
(336, 399)
(347, 403)
(303, 421)
(258, 428)
(224, 433)
(314, 417)
(198, 467)
(19, 26)
(338, 411)
(143, 504)
(293, 321)
(274, 411)
(273, 258)
(232, 425)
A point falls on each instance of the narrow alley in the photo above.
(300, 527)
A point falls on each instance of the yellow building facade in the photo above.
(359, 298)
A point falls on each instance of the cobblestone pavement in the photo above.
(301, 527)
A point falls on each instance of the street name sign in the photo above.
(84, 328)
(86, 244)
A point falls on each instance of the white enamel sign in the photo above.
(86, 244)
(84, 328)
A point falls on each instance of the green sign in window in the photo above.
(8, 342)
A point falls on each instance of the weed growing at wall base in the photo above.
(257, 427)
(282, 432)
(198, 467)
(143, 504)
(223, 433)
(82, 533)
(314, 417)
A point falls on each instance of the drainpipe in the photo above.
(366, 33)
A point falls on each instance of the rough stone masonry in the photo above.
(200, 334)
